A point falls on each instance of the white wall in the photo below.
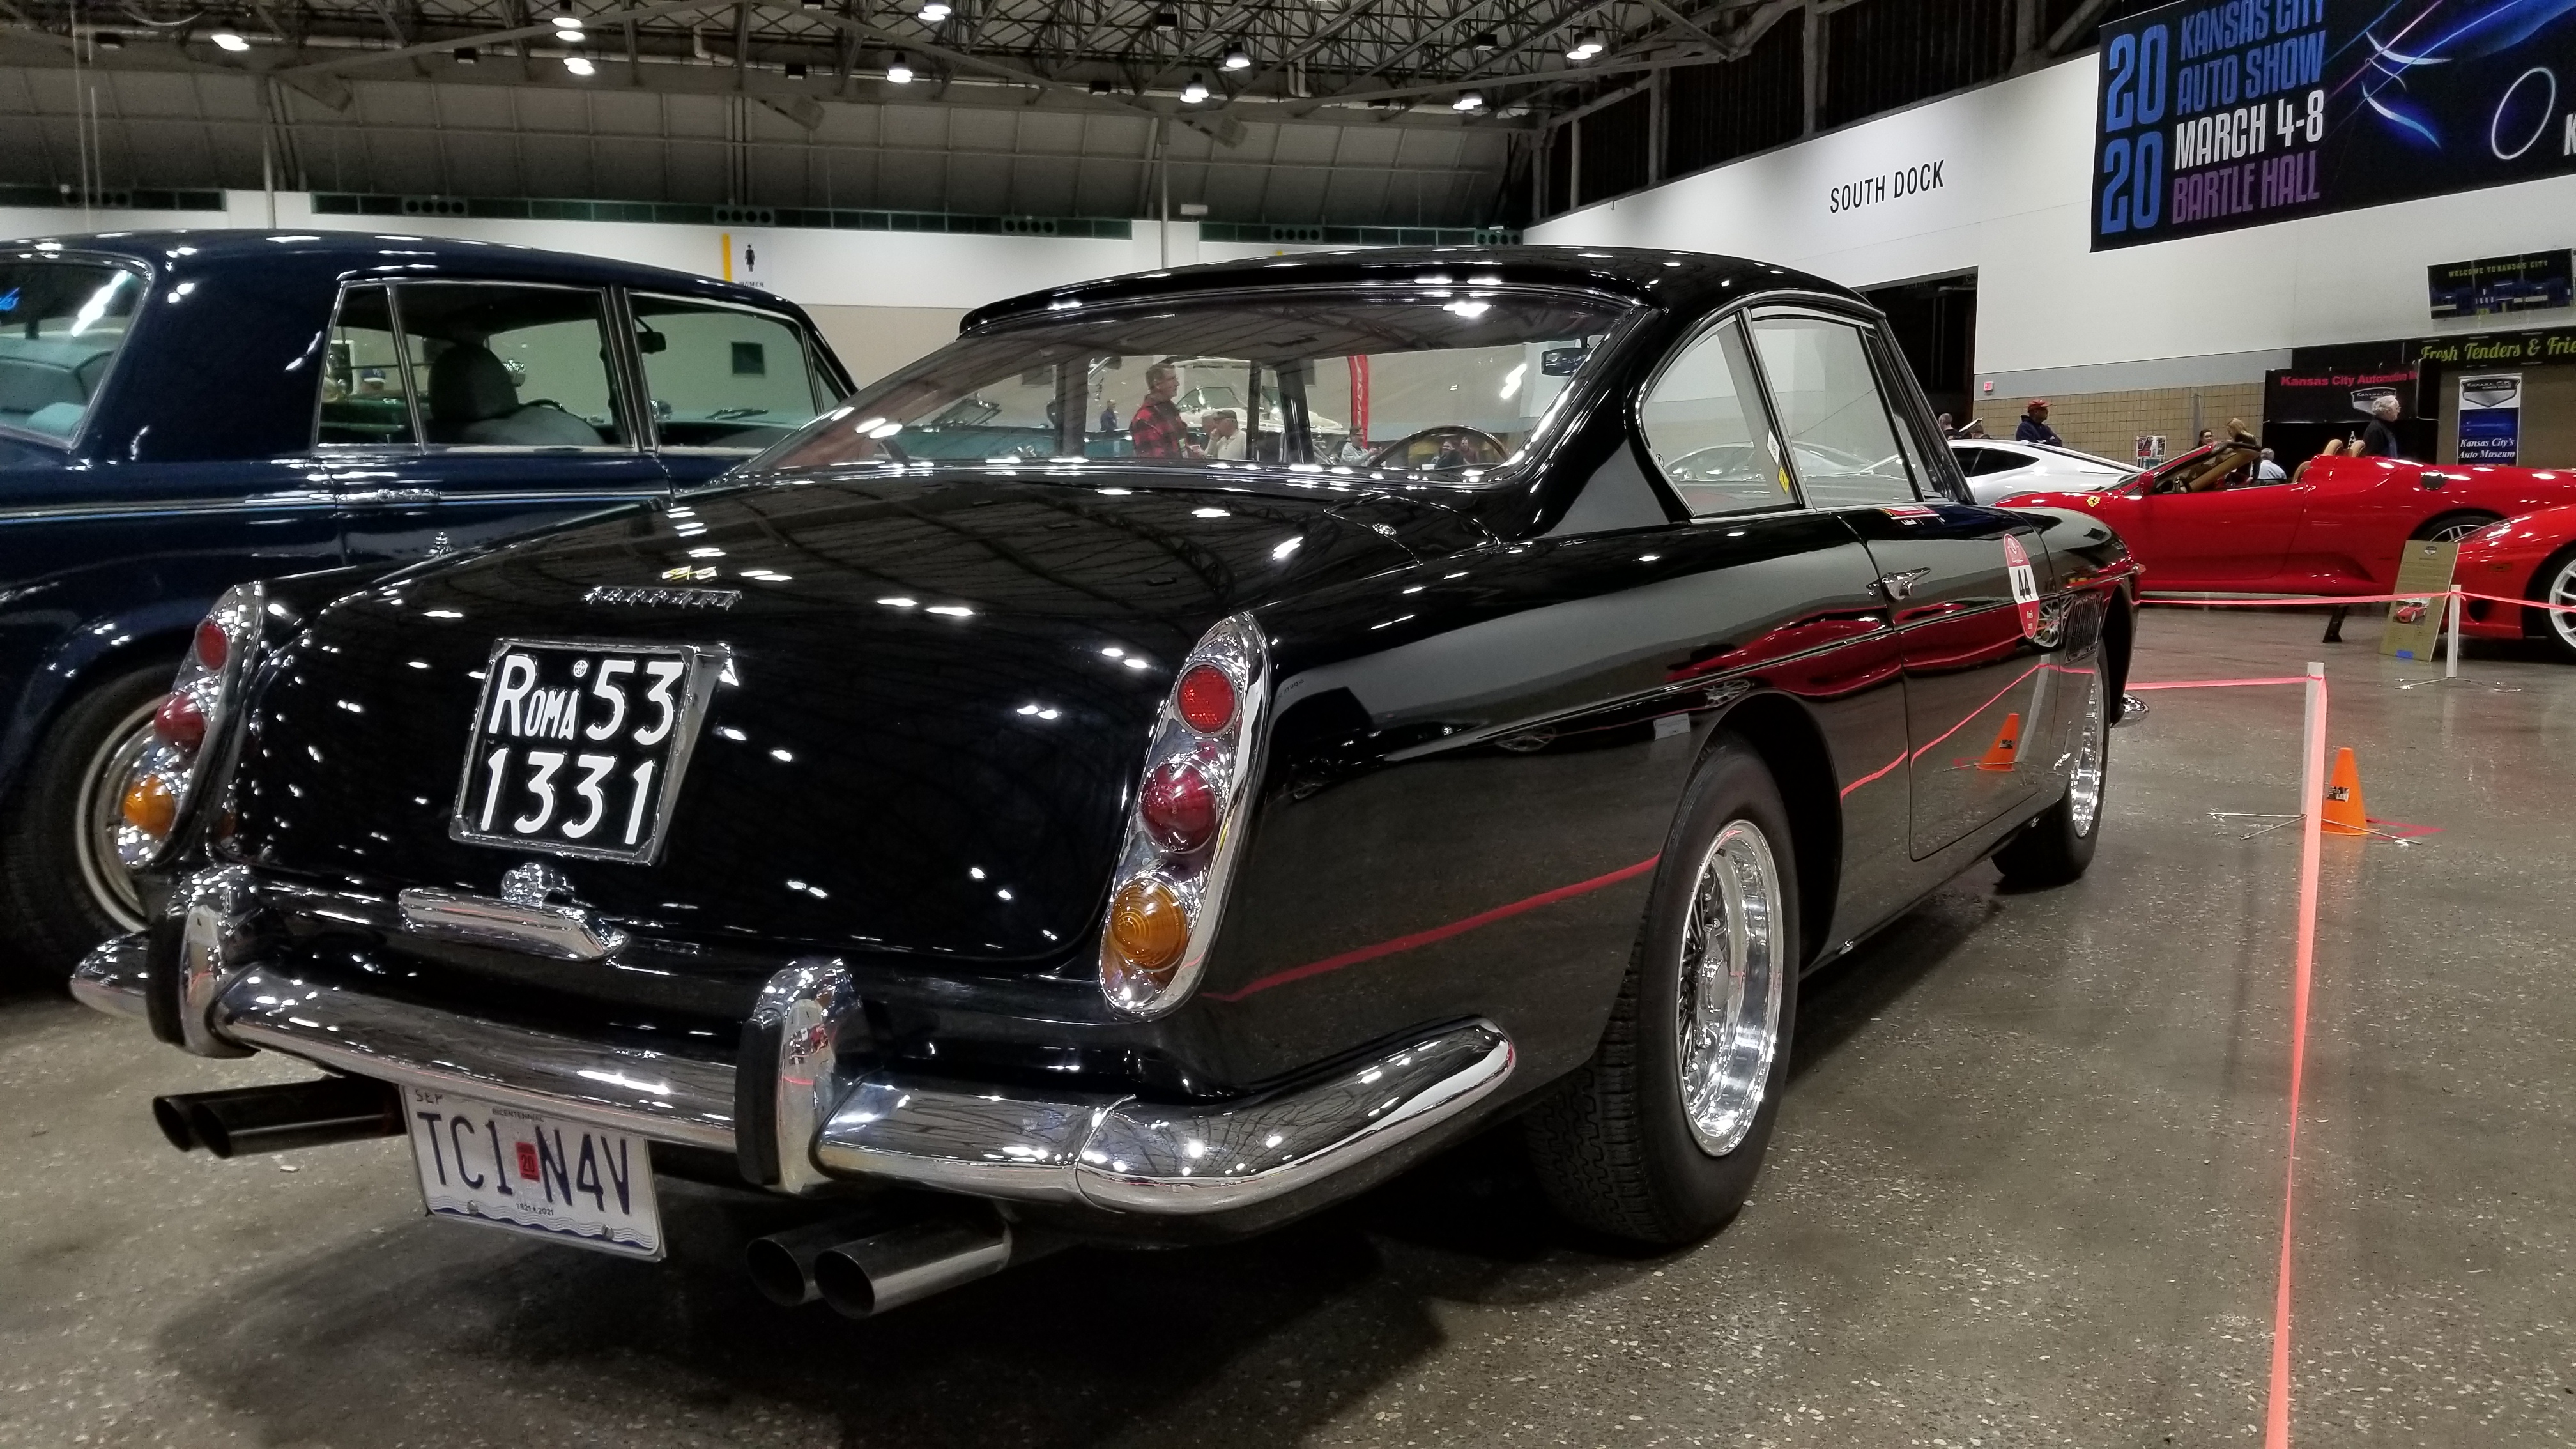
(811, 267)
(882, 298)
(2016, 160)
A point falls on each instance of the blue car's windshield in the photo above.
(1443, 382)
(60, 325)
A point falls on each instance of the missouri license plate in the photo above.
(578, 749)
(548, 1178)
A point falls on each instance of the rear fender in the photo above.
(80, 655)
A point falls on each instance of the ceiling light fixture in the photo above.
(1586, 46)
(899, 71)
(1101, 88)
(567, 21)
(465, 55)
(1487, 40)
(1236, 58)
(1167, 20)
(1468, 101)
(934, 11)
(579, 64)
(229, 40)
(1195, 92)
(795, 70)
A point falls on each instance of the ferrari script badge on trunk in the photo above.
(662, 597)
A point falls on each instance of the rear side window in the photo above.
(510, 366)
(1978, 461)
(365, 400)
(1842, 439)
(1703, 422)
(61, 323)
(725, 377)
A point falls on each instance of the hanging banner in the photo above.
(2218, 114)
(2490, 417)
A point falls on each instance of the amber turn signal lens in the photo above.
(1207, 699)
(151, 806)
(1149, 928)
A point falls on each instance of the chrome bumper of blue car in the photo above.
(812, 1124)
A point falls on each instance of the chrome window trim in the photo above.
(1731, 315)
(402, 364)
(1807, 307)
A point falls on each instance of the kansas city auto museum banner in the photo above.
(2214, 116)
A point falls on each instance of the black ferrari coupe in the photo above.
(1184, 751)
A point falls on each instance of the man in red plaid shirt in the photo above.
(1156, 431)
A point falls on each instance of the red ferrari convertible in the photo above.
(2530, 557)
(2207, 523)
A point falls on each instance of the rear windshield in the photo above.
(60, 325)
(1445, 383)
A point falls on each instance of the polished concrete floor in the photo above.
(2027, 1190)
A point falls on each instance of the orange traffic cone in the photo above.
(2006, 748)
(2343, 812)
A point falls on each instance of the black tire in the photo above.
(2057, 847)
(2453, 525)
(52, 882)
(1614, 1146)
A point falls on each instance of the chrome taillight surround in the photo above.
(213, 687)
(1198, 879)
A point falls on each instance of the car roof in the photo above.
(177, 252)
(1639, 275)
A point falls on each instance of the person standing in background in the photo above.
(1155, 429)
(2034, 427)
(1224, 438)
(2378, 438)
(2268, 471)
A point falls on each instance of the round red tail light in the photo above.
(1180, 806)
(213, 647)
(1207, 699)
(180, 721)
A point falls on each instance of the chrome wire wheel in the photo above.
(101, 838)
(2084, 781)
(1734, 954)
(2561, 590)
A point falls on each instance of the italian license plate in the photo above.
(548, 1178)
(578, 749)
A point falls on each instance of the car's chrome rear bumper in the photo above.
(811, 1124)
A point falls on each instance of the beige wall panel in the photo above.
(2110, 423)
(873, 341)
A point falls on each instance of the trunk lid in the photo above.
(870, 774)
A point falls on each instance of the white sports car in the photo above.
(1998, 468)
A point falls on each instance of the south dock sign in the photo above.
(2217, 114)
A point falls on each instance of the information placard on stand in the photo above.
(2415, 625)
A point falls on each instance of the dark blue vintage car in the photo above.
(183, 411)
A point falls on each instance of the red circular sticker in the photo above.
(2025, 584)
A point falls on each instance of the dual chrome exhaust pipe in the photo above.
(280, 1118)
(872, 1264)
(861, 1266)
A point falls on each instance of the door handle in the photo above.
(1900, 585)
